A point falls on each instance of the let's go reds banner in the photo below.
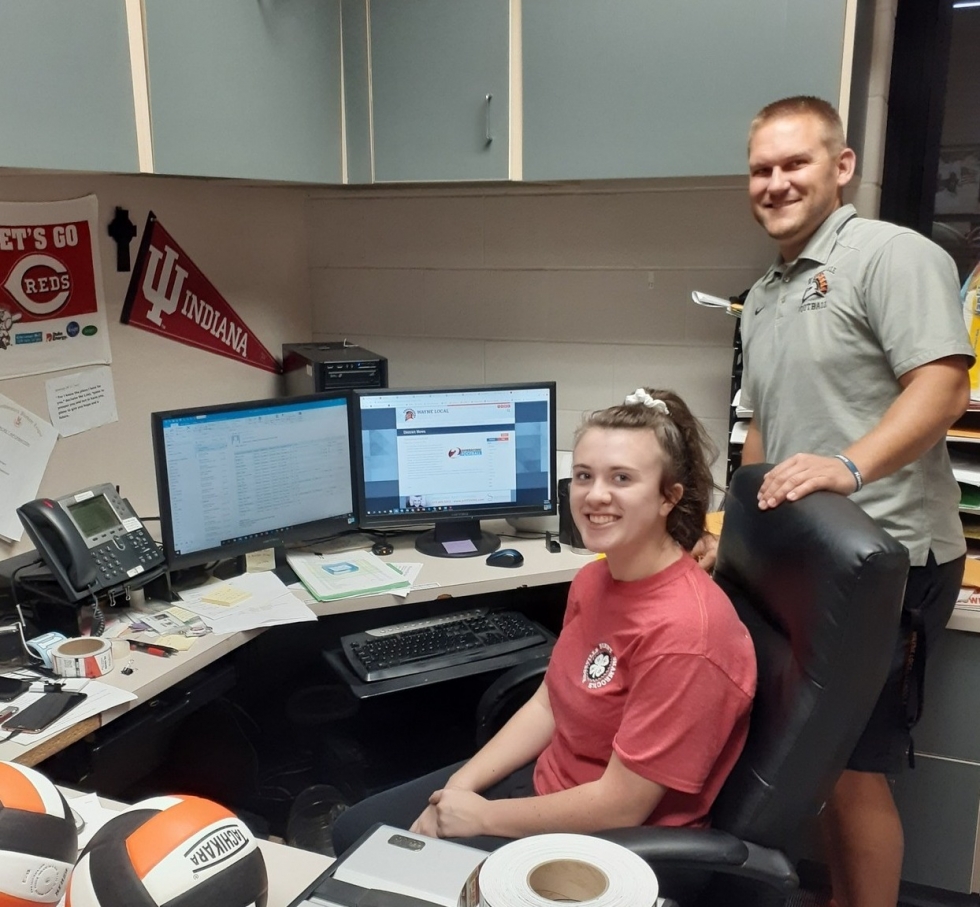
(52, 309)
(169, 295)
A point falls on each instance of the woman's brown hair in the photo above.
(688, 455)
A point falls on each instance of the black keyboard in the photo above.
(438, 642)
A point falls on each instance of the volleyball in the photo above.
(170, 850)
(38, 840)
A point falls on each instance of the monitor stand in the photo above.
(457, 538)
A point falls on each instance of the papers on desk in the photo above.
(330, 577)
(100, 697)
(245, 602)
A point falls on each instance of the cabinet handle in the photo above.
(489, 137)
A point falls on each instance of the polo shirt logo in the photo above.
(815, 293)
(600, 667)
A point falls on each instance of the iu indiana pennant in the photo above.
(169, 295)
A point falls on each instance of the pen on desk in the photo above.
(152, 648)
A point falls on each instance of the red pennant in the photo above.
(169, 295)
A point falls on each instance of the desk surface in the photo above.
(452, 578)
(463, 576)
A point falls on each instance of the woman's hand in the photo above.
(452, 813)
(426, 824)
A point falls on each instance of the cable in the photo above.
(13, 578)
(98, 617)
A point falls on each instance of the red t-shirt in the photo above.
(661, 671)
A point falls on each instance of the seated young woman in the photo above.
(645, 704)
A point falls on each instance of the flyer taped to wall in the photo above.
(52, 305)
(26, 443)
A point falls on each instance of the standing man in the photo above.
(855, 364)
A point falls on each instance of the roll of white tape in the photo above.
(542, 869)
(82, 657)
(40, 647)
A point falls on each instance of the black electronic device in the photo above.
(310, 368)
(44, 712)
(12, 687)
(91, 541)
(239, 477)
(439, 642)
(505, 557)
(454, 456)
(382, 549)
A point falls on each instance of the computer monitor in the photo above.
(240, 477)
(454, 456)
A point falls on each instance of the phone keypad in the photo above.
(126, 556)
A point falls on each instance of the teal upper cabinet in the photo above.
(439, 89)
(66, 88)
(634, 88)
(245, 88)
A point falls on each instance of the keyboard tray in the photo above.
(385, 653)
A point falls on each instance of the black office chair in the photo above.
(820, 588)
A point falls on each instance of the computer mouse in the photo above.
(506, 557)
(381, 549)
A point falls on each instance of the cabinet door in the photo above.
(433, 64)
(248, 90)
(633, 88)
(66, 88)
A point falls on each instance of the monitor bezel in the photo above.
(421, 520)
(311, 531)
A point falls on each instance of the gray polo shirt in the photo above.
(825, 339)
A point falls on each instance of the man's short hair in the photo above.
(805, 105)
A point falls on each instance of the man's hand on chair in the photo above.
(802, 474)
(705, 551)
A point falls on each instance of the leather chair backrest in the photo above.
(819, 586)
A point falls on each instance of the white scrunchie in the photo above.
(641, 396)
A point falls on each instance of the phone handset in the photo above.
(60, 545)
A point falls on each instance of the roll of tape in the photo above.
(82, 657)
(40, 647)
(542, 869)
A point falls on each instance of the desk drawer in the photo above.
(114, 757)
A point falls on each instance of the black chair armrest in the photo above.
(708, 849)
(506, 695)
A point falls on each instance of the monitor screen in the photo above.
(454, 456)
(241, 477)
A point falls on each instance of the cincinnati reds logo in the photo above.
(40, 284)
(600, 667)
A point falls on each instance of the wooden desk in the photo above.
(455, 578)
(151, 676)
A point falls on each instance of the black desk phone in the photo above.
(91, 541)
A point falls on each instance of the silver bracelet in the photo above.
(858, 478)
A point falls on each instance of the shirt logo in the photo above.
(815, 292)
(600, 667)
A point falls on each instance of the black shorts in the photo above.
(930, 596)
